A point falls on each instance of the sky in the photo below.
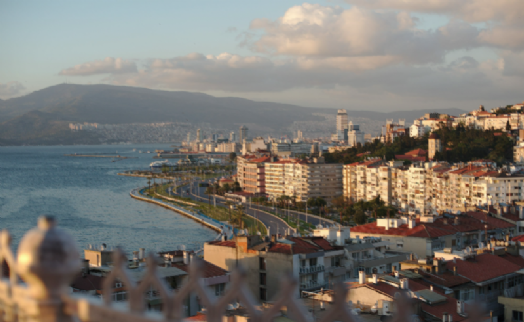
(381, 55)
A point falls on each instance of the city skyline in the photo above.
(354, 55)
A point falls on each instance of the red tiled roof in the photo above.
(420, 230)
(409, 158)
(485, 267)
(519, 238)
(517, 260)
(201, 317)
(281, 248)
(492, 222)
(437, 310)
(417, 152)
(209, 270)
(446, 279)
(261, 159)
(227, 243)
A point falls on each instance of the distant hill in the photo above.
(40, 128)
(42, 116)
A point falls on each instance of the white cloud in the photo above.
(11, 89)
(313, 30)
(105, 66)
(509, 11)
(373, 52)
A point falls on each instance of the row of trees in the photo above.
(358, 211)
(376, 148)
(215, 188)
(463, 144)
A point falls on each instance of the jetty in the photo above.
(115, 157)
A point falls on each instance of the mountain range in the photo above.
(42, 117)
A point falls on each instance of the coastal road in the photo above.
(274, 223)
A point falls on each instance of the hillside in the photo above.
(60, 104)
(40, 128)
(119, 104)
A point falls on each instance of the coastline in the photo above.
(219, 227)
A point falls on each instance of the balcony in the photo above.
(312, 285)
(311, 269)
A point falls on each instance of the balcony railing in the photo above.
(37, 284)
(311, 269)
(48, 261)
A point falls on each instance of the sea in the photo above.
(89, 199)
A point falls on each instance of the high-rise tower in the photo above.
(342, 123)
(242, 133)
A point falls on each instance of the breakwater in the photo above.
(221, 228)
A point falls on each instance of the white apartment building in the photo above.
(416, 131)
(497, 187)
(431, 186)
(303, 179)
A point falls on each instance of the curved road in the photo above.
(275, 224)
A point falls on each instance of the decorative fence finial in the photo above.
(48, 261)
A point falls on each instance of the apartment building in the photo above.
(353, 178)
(251, 172)
(431, 186)
(381, 292)
(426, 234)
(479, 275)
(254, 179)
(303, 179)
(496, 187)
(308, 259)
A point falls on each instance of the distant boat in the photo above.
(159, 164)
(140, 151)
(148, 152)
(134, 150)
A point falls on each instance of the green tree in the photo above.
(360, 217)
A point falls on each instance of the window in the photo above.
(263, 279)
(262, 263)
(263, 294)
(335, 261)
(517, 316)
(312, 262)
(219, 289)
(303, 263)
(355, 255)
(120, 296)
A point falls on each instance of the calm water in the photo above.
(88, 198)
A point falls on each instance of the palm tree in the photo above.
(239, 218)
(228, 205)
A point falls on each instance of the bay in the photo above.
(89, 199)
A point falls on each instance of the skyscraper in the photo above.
(199, 136)
(342, 123)
(242, 133)
(188, 137)
(299, 135)
(232, 136)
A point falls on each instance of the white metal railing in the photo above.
(48, 260)
(37, 285)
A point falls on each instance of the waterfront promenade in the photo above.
(222, 228)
